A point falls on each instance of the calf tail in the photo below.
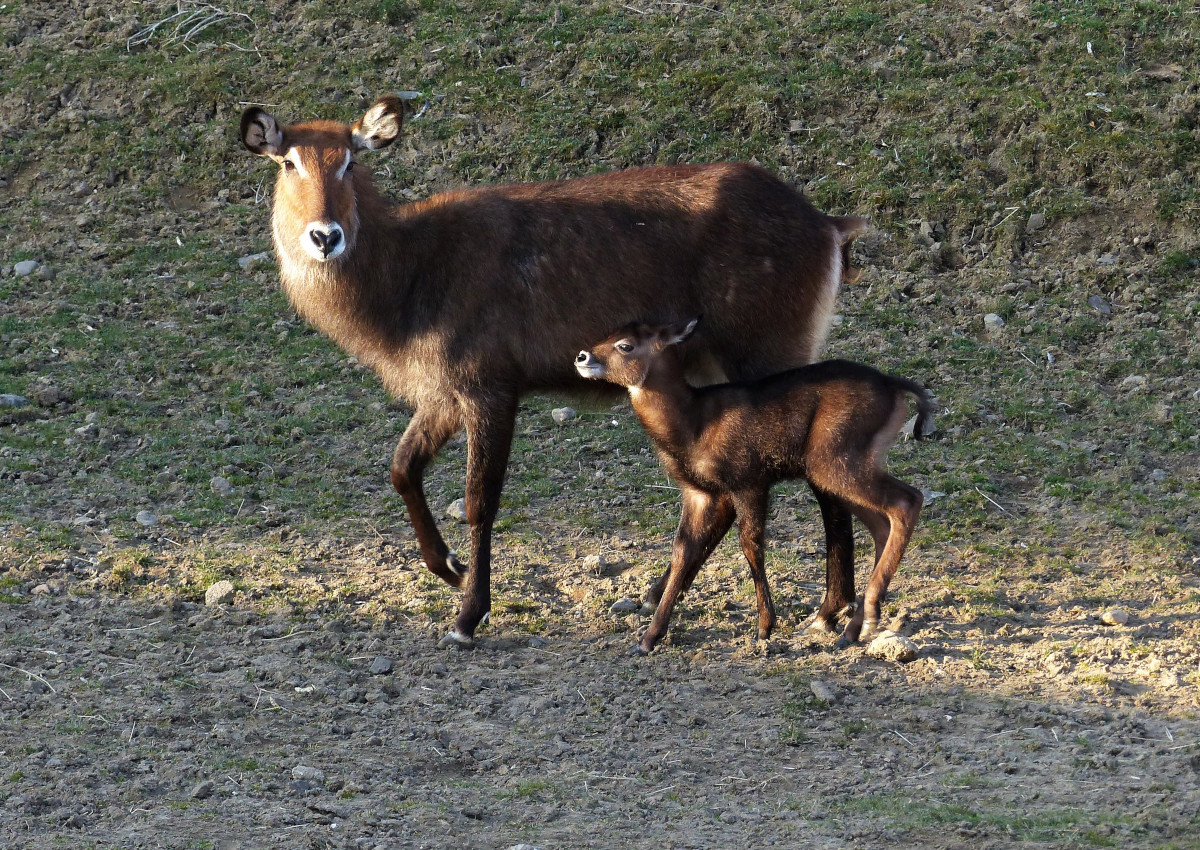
(924, 406)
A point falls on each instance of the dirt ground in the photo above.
(164, 723)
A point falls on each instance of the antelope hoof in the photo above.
(637, 650)
(648, 608)
(453, 565)
(457, 640)
(869, 630)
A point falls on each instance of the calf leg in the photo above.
(703, 522)
(427, 432)
(839, 563)
(901, 505)
(752, 523)
(654, 594)
(880, 528)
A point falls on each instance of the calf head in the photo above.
(625, 357)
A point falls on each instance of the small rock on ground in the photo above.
(457, 510)
(822, 691)
(47, 396)
(147, 518)
(12, 400)
(203, 791)
(625, 605)
(220, 486)
(381, 666)
(993, 322)
(890, 646)
(251, 260)
(26, 267)
(306, 773)
(1115, 617)
(219, 593)
(563, 414)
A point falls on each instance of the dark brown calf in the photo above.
(467, 300)
(830, 423)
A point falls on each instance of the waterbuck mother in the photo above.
(467, 300)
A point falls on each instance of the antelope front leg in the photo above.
(702, 524)
(427, 432)
(489, 440)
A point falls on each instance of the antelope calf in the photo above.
(830, 424)
(467, 300)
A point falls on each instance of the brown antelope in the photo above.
(467, 300)
(830, 423)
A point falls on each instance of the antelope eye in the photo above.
(350, 166)
(624, 347)
(288, 165)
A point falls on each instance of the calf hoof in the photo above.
(457, 640)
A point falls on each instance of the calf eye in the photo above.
(624, 347)
(350, 166)
(288, 165)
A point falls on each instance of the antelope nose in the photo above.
(325, 238)
(582, 358)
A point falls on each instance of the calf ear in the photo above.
(261, 133)
(681, 331)
(380, 126)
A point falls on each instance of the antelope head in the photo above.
(315, 214)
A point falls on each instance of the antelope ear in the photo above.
(261, 133)
(681, 331)
(380, 126)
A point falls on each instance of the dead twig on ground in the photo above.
(189, 20)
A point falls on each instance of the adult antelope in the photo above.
(469, 299)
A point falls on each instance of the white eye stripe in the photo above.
(345, 164)
(293, 156)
